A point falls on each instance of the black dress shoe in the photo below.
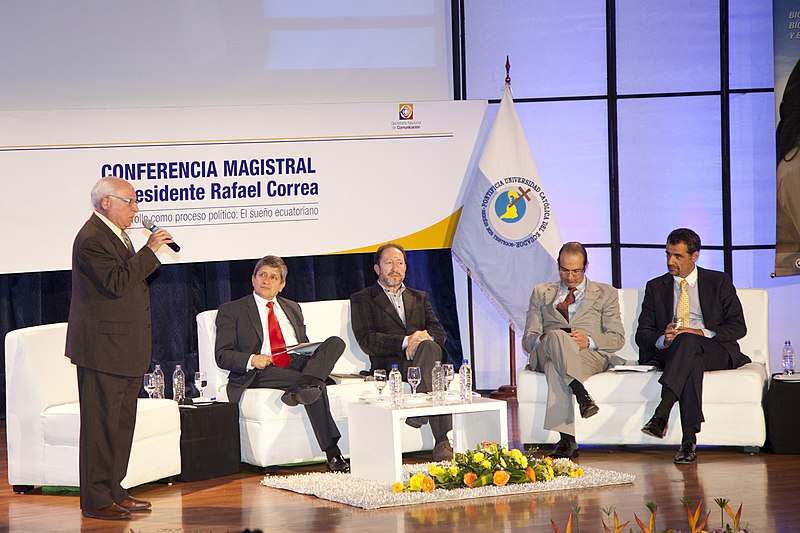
(565, 450)
(587, 406)
(132, 504)
(111, 511)
(655, 427)
(338, 464)
(687, 453)
(417, 421)
(302, 394)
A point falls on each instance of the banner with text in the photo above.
(240, 182)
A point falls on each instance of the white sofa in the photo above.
(731, 398)
(43, 419)
(272, 433)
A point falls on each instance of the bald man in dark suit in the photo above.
(395, 324)
(109, 340)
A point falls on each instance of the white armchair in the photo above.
(43, 419)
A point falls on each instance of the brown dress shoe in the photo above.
(132, 504)
(111, 511)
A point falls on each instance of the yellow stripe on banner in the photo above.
(439, 235)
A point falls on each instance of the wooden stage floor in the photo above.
(767, 484)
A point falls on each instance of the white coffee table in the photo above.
(374, 432)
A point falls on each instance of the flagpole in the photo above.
(509, 392)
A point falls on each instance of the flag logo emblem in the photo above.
(406, 112)
(515, 211)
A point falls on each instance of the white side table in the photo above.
(374, 432)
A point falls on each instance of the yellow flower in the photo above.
(508, 453)
(415, 483)
(427, 484)
(501, 478)
(435, 470)
(516, 454)
(503, 462)
(486, 464)
(489, 446)
(469, 479)
(523, 462)
(477, 457)
(398, 487)
(453, 470)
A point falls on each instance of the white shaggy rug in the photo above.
(367, 494)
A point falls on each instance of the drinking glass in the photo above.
(200, 381)
(449, 374)
(677, 323)
(150, 383)
(414, 377)
(380, 381)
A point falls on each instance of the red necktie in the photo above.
(276, 343)
(563, 307)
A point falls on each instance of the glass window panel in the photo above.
(669, 168)
(750, 48)
(554, 50)
(753, 268)
(752, 168)
(599, 265)
(667, 46)
(640, 265)
(568, 143)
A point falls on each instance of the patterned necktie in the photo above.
(277, 345)
(563, 307)
(682, 311)
(127, 242)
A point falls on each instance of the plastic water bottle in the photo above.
(465, 373)
(159, 382)
(178, 385)
(788, 358)
(395, 387)
(437, 381)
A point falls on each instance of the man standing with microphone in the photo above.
(109, 340)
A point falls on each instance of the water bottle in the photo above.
(437, 381)
(788, 358)
(159, 393)
(178, 385)
(465, 373)
(395, 387)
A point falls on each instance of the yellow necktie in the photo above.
(683, 306)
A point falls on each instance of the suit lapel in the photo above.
(119, 246)
(382, 301)
(550, 299)
(294, 319)
(590, 296)
(252, 314)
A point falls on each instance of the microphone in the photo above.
(147, 223)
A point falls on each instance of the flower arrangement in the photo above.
(489, 464)
(696, 521)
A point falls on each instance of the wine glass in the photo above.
(200, 381)
(449, 374)
(380, 381)
(150, 383)
(414, 377)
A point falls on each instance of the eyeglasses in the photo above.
(576, 272)
(268, 276)
(129, 201)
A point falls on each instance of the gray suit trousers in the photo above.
(561, 361)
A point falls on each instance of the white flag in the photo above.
(507, 236)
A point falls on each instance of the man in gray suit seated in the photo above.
(572, 329)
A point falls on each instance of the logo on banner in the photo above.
(515, 211)
(406, 112)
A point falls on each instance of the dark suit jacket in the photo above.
(240, 334)
(109, 327)
(378, 328)
(722, 313)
